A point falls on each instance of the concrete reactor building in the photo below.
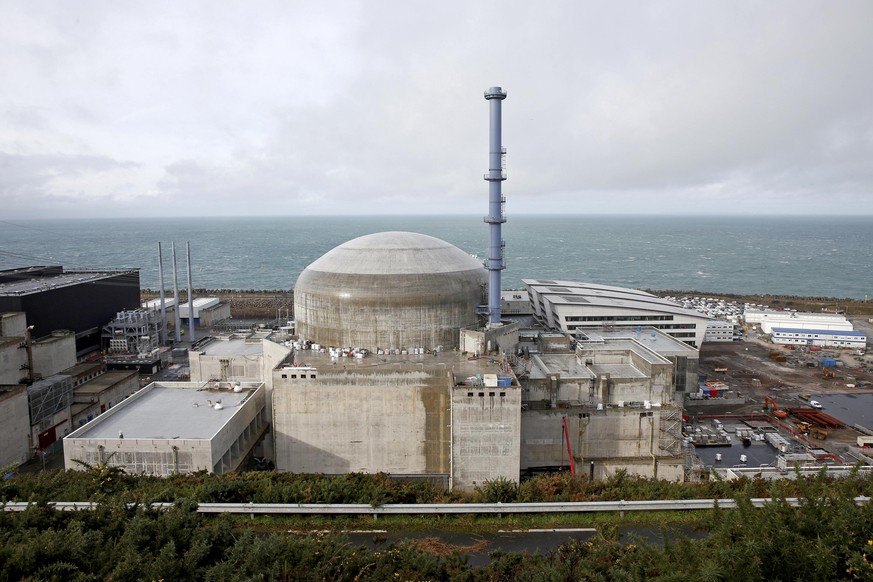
(389, 291)
(404, 363)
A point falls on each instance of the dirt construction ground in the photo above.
(751, 367)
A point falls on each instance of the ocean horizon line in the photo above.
(509, 216)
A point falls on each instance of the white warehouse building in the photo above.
(819, 337)
(769, 319)
(569, 306)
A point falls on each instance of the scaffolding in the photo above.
(47, 398)
(671, 432)
(135, 331)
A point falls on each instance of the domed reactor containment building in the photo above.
(389, 291)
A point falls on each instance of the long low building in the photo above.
(770, 319)
(174, 427)
(819, 337)
(569, 306)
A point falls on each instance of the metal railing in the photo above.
(442, 508)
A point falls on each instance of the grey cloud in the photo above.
(339, 108)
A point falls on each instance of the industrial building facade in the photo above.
(569, 306)
(819, 337)
(617, 399)
(174, 427)
(415, 415)
(719, 330)
(79, 301)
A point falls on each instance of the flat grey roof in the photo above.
(566, 364)
(83, 368)
(38, 284)
(167, 411)
(624, 344)
(660, 342)
(232, 347)
(104, 381)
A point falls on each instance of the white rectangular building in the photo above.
(719, 330)
(173, 427)
(819, 337)
(768, 319)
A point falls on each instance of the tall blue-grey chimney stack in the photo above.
(496, 201)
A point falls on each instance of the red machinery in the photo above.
(777, 412)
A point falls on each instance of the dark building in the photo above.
(80, 301)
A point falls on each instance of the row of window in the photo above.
(806, 335)
(664, 326)
(619, 318)
(828, 342)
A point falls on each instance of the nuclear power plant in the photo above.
(387, 291)
(409, 359)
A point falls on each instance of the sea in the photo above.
(800, 256)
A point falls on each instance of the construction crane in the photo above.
(777, 412)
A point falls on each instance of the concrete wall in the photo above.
(13, 324)
(140, 456)
(12, 358)
(236, 438)
(502, 339)
(210, 315)
(241, 368)
(15, 447)
(54, 353)
(274, 355)
(611, 439)
(393, 419)
(486, 435)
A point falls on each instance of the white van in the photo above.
(815, 404)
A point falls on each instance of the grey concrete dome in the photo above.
(389, 290)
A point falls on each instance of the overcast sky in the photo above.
(262, 108)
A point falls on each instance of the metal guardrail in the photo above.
(443, 508)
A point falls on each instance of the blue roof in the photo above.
(819, 331)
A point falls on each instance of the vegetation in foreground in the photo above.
(828, 538)
(96, 483)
